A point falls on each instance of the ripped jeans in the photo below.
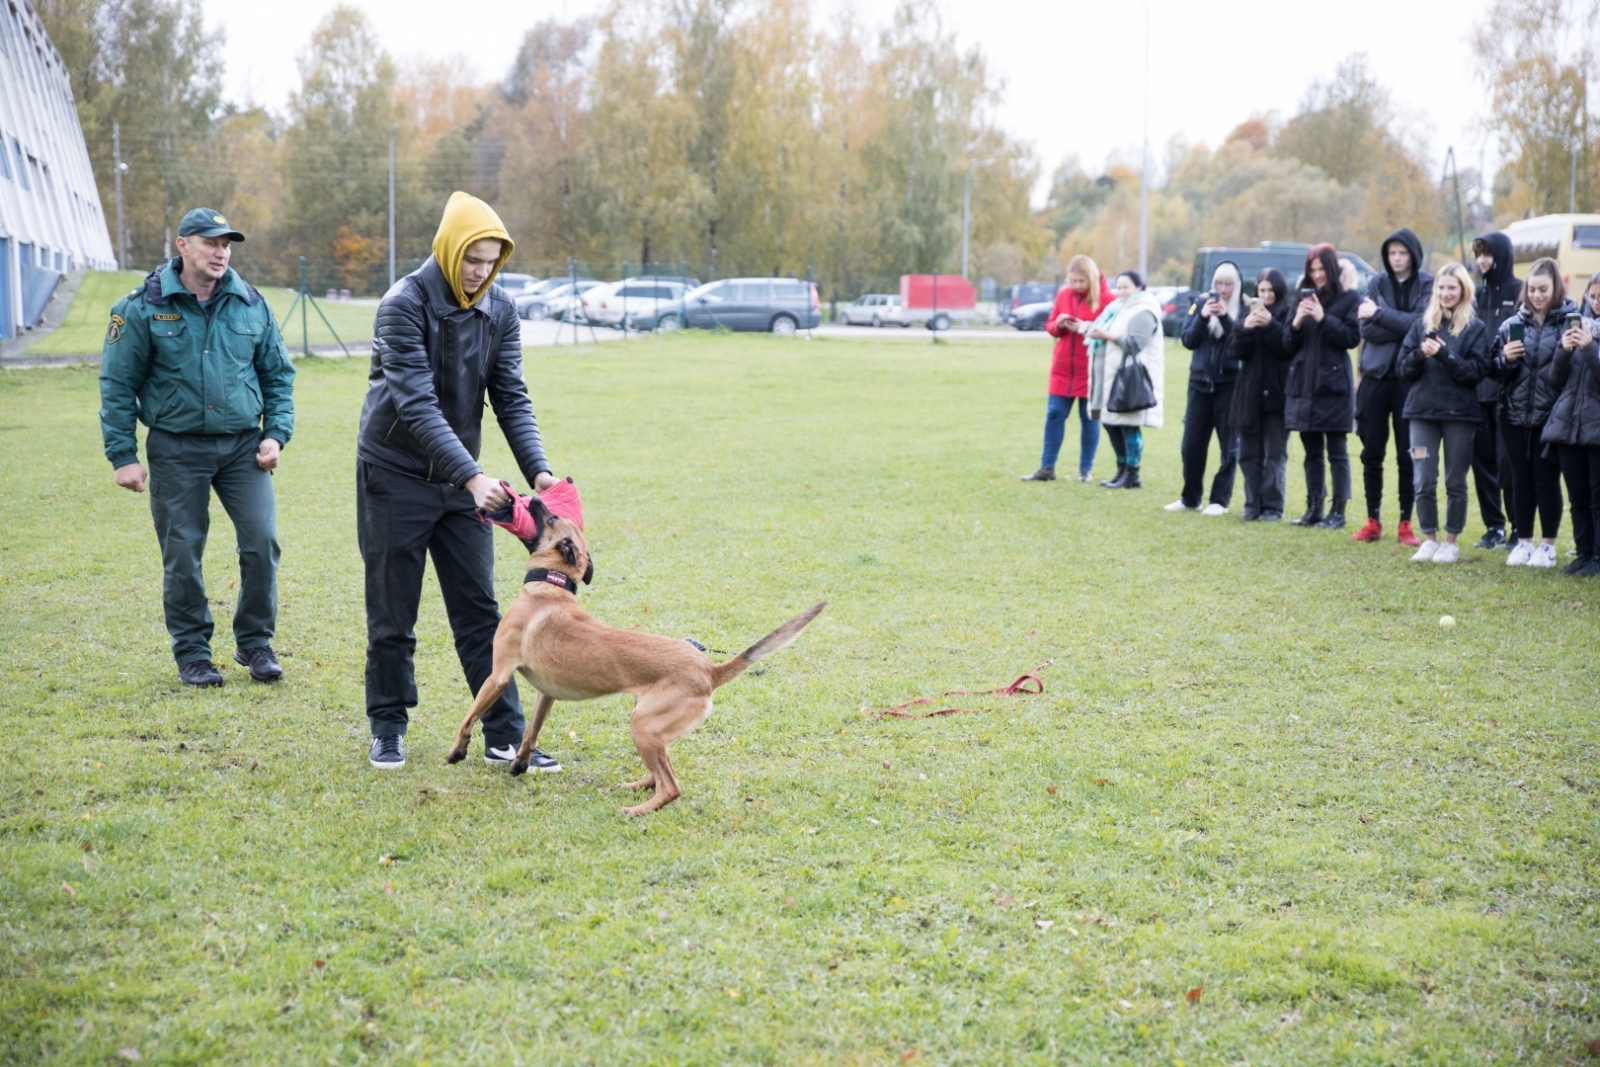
(1426, 437)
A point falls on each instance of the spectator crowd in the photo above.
(1497, 377)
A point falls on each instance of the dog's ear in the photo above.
(588, 572)
(568, 550)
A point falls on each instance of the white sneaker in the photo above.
(1448, 553)
(1178, 505)
(1212, 509)
(1428, 550)
(1520, 553)
(1543, 556)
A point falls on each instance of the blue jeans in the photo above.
(1055, 429)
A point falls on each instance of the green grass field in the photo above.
(84, 328)
(1266, 811)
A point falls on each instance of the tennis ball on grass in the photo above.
(1446, 621)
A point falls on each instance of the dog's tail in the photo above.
(731, 669)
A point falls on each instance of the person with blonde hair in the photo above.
(1077, 305)
(1213, 370)
(1444, 355)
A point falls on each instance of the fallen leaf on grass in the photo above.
(319, 964)
(1193, 995)
(1592, 1046)
(388, 887)
(254, 765)
(1050, 789)
(1102, 782)
(1073, 930)
(908, 1055)
(1125, 1004)
(87, 846)
(1044, 924)
(734, 994)
(873, 821)
(663, 915)
(66, 887)
(129, 1054)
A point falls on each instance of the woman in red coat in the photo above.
(1077, 305)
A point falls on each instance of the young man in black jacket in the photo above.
(1395, 301)
(446, 337)
(1495, 302)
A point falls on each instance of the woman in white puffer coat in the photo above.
(1130, 328)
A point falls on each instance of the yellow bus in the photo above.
(1573, 241)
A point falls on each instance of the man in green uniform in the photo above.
(194, 353)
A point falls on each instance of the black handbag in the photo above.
(1131, 389)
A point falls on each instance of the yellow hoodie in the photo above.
(467, 219)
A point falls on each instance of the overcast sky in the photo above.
(1073, 71)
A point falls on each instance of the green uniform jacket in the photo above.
(166, 366)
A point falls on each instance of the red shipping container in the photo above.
(955, 292)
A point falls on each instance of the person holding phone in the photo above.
(1319, 395)
(1574, 427)
(1496, 302)
(1257, 412)
(1076, 306)
(1395, 301)
(1524, 357)
(1207, 332)
(1443, 357)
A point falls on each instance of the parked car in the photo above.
(515, 284)
(874, 309)
(1174, 306)
(559, 302)
(634, 300)
(1032, 316)
(1573, 241)
(536, 292)
(1287, 256)
(781, 305)
(1026, 293)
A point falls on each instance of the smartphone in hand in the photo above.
(1514, 332)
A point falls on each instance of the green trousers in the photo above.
(184, 469)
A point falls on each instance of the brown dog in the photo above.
(567, 655)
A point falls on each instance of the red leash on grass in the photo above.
(1027, 685)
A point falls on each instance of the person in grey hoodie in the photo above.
(1496, 302)
(1395, 302)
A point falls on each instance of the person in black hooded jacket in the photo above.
(1574, 430)
(1207, 332)
(1319, 395)
(1395, 301)
(1444, 356)
(1495, 302)
(1524, 353)
(1258, 399)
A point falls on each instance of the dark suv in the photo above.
(779, 305)
(1287, 256)
(1023, 294)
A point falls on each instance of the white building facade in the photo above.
(50, 216)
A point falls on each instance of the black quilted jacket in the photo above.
(433, 363)
(1528, 386)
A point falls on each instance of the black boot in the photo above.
(1335, 519)
(1313, 514)
(1120, 477)
(1131, 479)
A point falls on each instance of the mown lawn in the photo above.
(1267, 811)
(83, 330)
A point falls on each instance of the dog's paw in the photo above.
(456, 755)
(519, 767)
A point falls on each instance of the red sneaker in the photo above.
(1372, 531)
(1407, 538)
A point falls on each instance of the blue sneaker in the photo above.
(387, 753)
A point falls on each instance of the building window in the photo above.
(5, 159)
(22, 168)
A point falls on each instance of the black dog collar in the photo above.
(556, 578)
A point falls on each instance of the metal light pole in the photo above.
(392, 131)
(1144, 167)
(118, 167)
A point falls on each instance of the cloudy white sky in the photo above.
(1073, 70)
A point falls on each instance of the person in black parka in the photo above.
(1496, 302)
(1258, 399)
(1319, 396)
(1574, 428)
(1207, 332)
(1444, 356)
(1527, 393)
(1395, 301)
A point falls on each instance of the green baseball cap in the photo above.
(203, 222)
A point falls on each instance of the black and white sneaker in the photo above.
(200, 673)
(538, 761)
(499, 756)
(262, 661)
(1493, 538)
(387, 754)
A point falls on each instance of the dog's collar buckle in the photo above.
(555, 578)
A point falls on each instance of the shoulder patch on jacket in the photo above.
(114, 333)
(167, 318)
(251, 297)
